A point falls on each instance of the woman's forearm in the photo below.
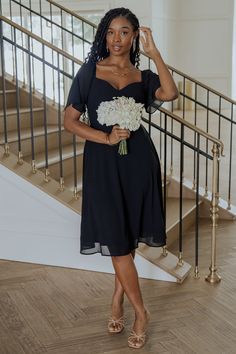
(168, 89)
(84, 131)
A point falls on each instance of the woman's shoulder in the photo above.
(148, 72)
(86, 69)
(148, 75)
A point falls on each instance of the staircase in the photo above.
(166, 263)
(43, 167)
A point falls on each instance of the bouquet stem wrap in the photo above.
(123, 150)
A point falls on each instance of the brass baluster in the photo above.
(213, 276)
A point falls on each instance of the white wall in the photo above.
(205, 41)
(234, 56)
(165, 26)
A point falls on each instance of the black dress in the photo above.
(122, 194)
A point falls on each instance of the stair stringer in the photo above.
(37, 228)
(189, 193)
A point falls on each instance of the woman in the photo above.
(122, 197)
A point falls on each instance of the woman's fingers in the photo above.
(146, 30)
(121, 130)
(120, 133)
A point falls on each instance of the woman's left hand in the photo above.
(147, 41)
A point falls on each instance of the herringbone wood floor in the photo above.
(54, 310)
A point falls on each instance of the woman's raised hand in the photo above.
(147, 41)
(117, 134)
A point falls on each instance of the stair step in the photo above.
(172, 210)
(37, 179)
(13, 111)
(168, 263)
(26, 133)
(24, 115)
(7, 91)
(53, 155)
(172, 216)
(10, 98)
(69, 182)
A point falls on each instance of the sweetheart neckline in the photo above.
(122, 88)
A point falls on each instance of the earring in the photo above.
(107, 49)
(134, 45)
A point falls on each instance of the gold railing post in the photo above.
(213, 277)
(164, 251)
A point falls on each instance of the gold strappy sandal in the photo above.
(137, 341)
(116, 326)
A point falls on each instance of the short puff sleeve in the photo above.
(79, 90)
(151, 84)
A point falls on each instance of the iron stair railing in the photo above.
(205, 107)
(46, 63)
(177, 135)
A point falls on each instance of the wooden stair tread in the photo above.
(53, 155)
(163, 183)
(12, 111)
(7, 91)
(26, 132)
(168, 263)
(69, 182)
(172, 207)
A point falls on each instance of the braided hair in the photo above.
(98, 50)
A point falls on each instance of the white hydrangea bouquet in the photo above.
(123, 111)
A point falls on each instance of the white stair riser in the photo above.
(24, 120)
(67, 167)
(10, 99)
(39, 143)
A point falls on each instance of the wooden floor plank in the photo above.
(17, 328)
(72, 306)
(8, 346)
(33, 317)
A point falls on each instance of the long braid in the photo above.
(98, 50)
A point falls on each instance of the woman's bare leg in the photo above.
(127, 275)
(118, 297)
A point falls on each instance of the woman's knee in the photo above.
(119, 259)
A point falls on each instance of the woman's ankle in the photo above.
(118, 298)
(142, 313)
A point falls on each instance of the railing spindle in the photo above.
(20, 155)
(33, 164)
(160, 140)
(59, 126)
(6, 145)
(213, 276)
(180, 262)
(230, 157)
(22, 42)
(196, 269)
(13, 52)
(219, 137)
(194, 153)
(207, 147)
(83, 41)
(46, 172)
